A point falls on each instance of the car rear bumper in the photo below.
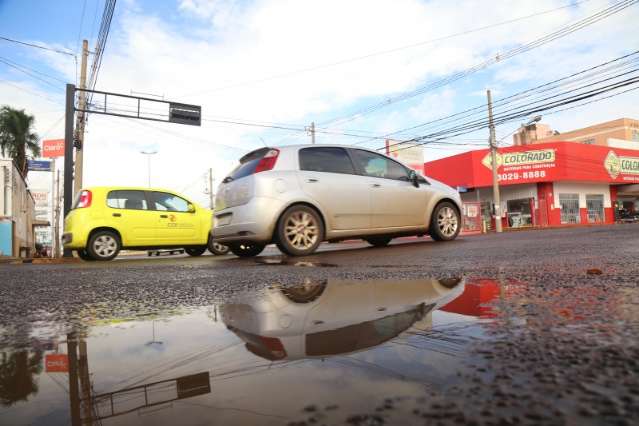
(251, 222)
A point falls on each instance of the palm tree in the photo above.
(17, 136)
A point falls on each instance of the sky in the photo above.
(290, 63)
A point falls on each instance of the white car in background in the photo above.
(318, 319)
(299, 196)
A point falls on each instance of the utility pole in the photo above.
(80, 121)
(313, 133)
(56, 217)
(211, 198)
(493, 160)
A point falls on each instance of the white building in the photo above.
(17, 213)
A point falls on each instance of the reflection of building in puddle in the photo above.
(324, 318)
(475, 300)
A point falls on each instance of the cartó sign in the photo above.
(53, 148)
(508, 159)
(616, 165)
(56, 363)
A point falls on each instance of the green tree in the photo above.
(17, 136)
(17, 371)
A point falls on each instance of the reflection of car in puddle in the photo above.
(323, 318)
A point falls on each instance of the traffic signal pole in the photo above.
(68, 154)
(493, 160)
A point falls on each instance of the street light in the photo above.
(149, 154)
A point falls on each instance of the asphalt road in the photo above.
(541, 329)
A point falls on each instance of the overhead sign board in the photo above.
(185, 114)
(39, 165)
(53, 148)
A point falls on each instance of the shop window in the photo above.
(569, 208)
(520, 212)
(595, 208)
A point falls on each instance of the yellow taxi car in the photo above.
(105, 220)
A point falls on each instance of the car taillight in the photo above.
(274, 346)
(268, 161)
(85, 199)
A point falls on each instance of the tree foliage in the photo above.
(17, 136)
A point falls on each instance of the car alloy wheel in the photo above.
(445, 222)
(103, 245)
(217, 248)
(300, 231)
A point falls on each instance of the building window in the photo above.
(590, 141)
(595, 208)
(569, 208)
(635, 135)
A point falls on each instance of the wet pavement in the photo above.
(523, 328)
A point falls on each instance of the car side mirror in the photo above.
(191, 208)
(412, 176)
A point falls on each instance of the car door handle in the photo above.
(312, 180)
(376, 185)
(117, 214)
(163, 216)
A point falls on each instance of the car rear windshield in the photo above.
(247, 164)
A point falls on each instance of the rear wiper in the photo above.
(227, 179)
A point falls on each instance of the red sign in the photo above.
(53, 148)
(56, 363)
(547, 162)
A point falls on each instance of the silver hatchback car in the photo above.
(298, 196)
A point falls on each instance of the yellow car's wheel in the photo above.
(104, 245)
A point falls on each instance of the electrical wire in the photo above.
(24, 43)
(27, 71)
(548, 38)
(384, 52)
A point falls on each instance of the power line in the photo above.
(385, 52)
(562, 32)
(84, 6)
(30, 92)
(17, 65)
(471, 127)
(26, 71)
(589, 73)
(24, 43)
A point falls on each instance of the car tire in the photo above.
(445, 222)
(217, 248)
(246, 249)
(306, 292)
(194, 251)
(104, 245)
(84, 255)
(378, 241)
(299, 231)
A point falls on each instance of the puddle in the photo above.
(257, 358)
(292, 262)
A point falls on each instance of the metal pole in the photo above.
(211, 200)
(68, 153)
(493, 159)
(79, 125)
(74, 388)
(56, 229)
(313, 133)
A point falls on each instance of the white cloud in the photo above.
(231, 43)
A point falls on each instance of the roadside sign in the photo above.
(185, 114)
(56, 363)
(53, 148)
(39, 165)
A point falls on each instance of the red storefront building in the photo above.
(547, 184)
